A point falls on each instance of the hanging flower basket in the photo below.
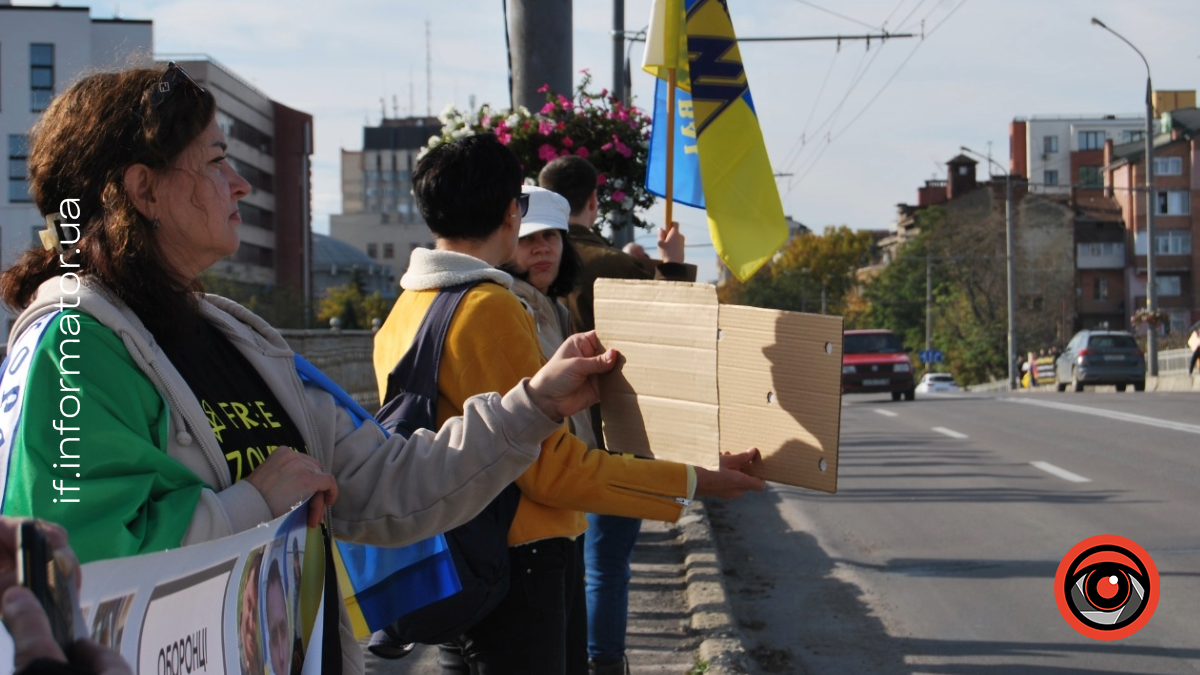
(614, 137)
(1146, 317)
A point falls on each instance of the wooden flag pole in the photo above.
(670, 191)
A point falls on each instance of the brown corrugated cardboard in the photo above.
(698, 378)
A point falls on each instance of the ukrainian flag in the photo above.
(745, 215)
(380, 584)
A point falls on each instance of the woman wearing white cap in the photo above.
(544, 269)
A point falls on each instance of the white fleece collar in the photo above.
(428, 270)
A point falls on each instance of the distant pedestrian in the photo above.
(1194, 344)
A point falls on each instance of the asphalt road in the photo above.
(939, 551)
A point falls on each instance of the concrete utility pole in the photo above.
(625, 235)
(1008, 254)
(541, 50)
(1151, 283)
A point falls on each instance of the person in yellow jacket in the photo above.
(469, 193)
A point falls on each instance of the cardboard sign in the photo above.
(698, 378)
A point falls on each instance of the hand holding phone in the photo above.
(54, 587)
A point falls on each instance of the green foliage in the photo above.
(700, 667)
(807, 266)
(895, 299)
(967, 283)
(595, 125)
(354, 309)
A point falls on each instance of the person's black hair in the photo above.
(464, 187)
(572, 177)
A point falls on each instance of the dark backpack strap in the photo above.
(417, 372)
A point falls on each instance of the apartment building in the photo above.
(42, 50)
(1056, 152)
(270, 145)
(379, 214)
(1176, 188)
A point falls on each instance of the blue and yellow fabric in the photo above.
(381, 584)
(717, 121)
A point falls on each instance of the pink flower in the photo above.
(502, 127)
(603, 93)
(547, 152)
(582, 152)
(586, 71)
(545, 127)
(618, 196)
(503, 136)
(566, 141)
(548, 108)
(601, 179)
(564, 102)
(544, 88)
(606, 146)
(621, 147)
(564, 153)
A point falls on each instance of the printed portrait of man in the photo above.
(279, 631)
(248, 633)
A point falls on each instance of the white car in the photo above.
(936, 382)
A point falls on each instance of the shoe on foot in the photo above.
(618, 667)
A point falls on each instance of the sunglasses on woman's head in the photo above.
(523, 203)
(172, 79)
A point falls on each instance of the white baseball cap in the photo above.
(547, 211)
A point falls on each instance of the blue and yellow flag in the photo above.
(380, 584)
(689, 188)
(745, 215)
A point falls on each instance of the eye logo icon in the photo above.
(1106, 587)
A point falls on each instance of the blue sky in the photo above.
(860, 129)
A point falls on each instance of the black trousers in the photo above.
(540, 628)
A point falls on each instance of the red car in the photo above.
(874, 361)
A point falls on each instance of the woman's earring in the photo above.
(154, 224)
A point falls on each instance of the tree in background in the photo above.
(354, 308)
(968, 278)
(806, 268)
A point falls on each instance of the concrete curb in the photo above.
(706, 597)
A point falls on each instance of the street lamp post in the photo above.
(1008, 254)
(1151, 284)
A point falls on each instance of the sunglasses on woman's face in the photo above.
(172, 79)
(523, 203)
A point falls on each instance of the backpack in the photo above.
(479, 547)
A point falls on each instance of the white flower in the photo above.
(449, 114)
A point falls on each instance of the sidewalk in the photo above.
(679, 614)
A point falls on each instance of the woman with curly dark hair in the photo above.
(145, 415)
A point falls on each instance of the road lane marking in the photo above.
(1112, 414)
(949, 432)
(885, 413)
(1061, 473)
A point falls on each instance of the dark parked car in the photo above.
(874, 361)
(1101, 357)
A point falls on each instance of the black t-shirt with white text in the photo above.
(246, 417)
